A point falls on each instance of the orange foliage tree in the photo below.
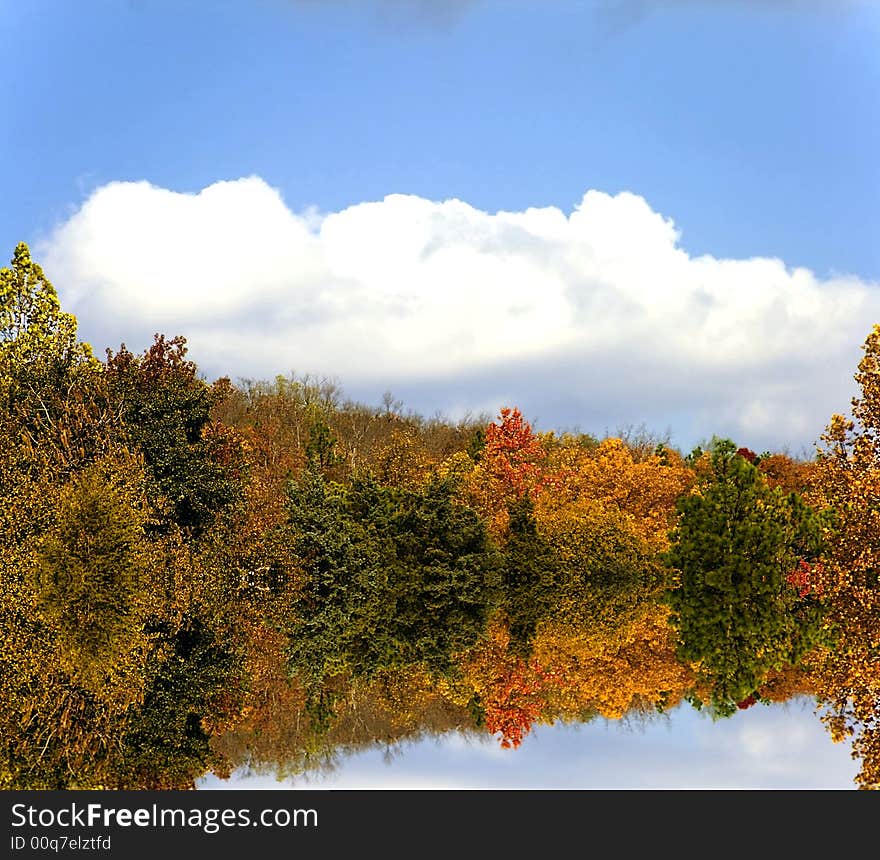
(510, 689)
(644, 490)
(612, 670)
(848, 482)
(509, 467)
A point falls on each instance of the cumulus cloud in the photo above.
(595, 317)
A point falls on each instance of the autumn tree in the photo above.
(54, 418)
(93, 571)
(272, 727)
(643, 488)
(507, 689)
(70, 546)
(193, 463)
(848, 483)
(790, 474)
(605, 569)
(39, 349)
(509, 467)
(612, 670)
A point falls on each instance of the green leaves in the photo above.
(736, 614)
(92, 566)
(38, 341)
(194, 465)
(394, 577)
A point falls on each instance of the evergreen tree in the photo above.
(194, 465)
(736, 612)
(394, 577)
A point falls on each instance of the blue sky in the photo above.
(743, 132)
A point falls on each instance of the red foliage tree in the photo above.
(515, 702)
(511, 466)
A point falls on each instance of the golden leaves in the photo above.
(847, 481)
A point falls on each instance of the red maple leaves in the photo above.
(515, 702)
(513, 453)
(807, 578)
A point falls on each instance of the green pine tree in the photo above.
(736, 614)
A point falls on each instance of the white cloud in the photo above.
(594, 317)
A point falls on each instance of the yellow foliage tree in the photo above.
(644, 490)
(848, 481)
(612, 670)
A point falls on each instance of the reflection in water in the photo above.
(775, 747)
(398, 617)
(390, 615)
(204, 580)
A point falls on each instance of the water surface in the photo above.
(778, 746)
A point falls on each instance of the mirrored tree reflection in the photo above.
(200, 578)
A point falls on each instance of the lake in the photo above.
(778, 746)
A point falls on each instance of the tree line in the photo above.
(197, 577)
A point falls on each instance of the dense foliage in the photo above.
(737, 611)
